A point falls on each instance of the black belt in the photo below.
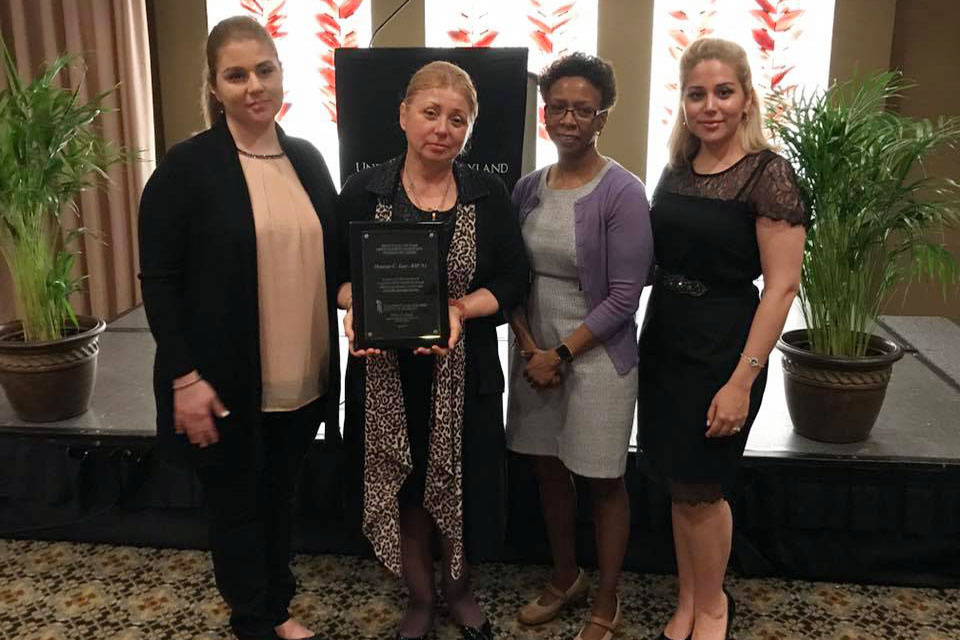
(679, 283)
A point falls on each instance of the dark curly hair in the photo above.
(596, 70)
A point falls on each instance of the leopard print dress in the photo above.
(387, 456)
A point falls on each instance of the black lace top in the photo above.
(764, 181)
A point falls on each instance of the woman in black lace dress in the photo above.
(725, 212)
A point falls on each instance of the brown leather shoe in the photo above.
(535, 613)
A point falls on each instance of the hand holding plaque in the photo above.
(399, 285)
(457, 317)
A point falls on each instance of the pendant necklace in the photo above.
(416, 199)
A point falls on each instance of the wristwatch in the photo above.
(563, 351)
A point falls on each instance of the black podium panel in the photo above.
(370, 86)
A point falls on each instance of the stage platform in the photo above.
(883, 511)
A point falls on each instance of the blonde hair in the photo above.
(441, 74)
(227, 31)
(683, 145)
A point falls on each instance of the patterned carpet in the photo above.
(65, 591)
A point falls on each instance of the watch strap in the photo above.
(563, 351)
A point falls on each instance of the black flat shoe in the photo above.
(664, 636)
(484, 632)
(731, 610)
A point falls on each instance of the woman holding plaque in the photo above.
(428, 422)
(238, 266)
(573, 372)
(726, 211)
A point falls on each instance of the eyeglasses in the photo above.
(584, 114)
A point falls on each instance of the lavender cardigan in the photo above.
(614, 255)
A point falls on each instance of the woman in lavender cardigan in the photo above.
(573, 369)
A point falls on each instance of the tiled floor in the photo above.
(60, 591)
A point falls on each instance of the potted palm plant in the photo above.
(875, 216)
(49, 151)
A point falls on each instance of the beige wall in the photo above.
(180, 32)
(404, 30)
(926, 47)
(623, 27)
(862, 36)
(919, 37)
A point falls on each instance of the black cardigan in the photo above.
(198, 261)
(502, 265)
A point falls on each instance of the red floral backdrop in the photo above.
(548, 28)
(776, 34)
(787, 43)
(774, 29)
(685, 26)
(474, 28)
(271, 15)
(332, 30)
(307, 34)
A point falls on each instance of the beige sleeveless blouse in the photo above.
(294, 338)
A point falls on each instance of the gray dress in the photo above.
(587, 420)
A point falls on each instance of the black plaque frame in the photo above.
(366, 335)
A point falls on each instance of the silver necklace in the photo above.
(261, 156)
(416, 198)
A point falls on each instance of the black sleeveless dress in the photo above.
(701, 309)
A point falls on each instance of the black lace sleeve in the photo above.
(775, 194)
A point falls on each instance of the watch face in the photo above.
(564, 352)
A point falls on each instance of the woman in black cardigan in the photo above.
(427, 426)
(241, 384)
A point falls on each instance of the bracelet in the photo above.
(753, 362)
(459, 305)
(184, 385)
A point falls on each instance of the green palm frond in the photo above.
(49, 152)
(873, 207)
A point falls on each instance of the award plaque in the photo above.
(399, 285)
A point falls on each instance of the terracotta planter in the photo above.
(47, 381)
(833, 398)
